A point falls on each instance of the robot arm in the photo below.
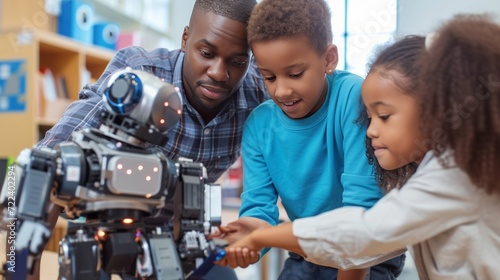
(24, 200)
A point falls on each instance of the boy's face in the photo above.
(294, 73)
(394, 120)
(216, 60)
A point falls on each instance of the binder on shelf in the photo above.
(61, 86)
(49, 87)
(85, 77)
(76, 20)
(53, 99)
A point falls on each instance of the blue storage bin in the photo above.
(76, 20)
(106, 34)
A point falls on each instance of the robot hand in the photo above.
(32, 236)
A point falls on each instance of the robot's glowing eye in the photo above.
(140, 167)
(155, 169)
(148, 178)
(129, 172)
(119, 166)
(179, 112)
(127, 221)
(165, 104)
(162, 121)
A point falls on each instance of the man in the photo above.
(216, 78)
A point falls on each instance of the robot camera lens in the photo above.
(120, 88)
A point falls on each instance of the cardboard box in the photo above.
(26, 15)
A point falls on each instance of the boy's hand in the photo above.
(242, 253)
(238, 233)
(222, 232)
(239, 257)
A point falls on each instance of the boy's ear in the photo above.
(331, 58)
(185, 36)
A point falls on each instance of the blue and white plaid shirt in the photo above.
(217, 144)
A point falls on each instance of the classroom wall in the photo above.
(414, 16)
(422, 16)
(181, 12)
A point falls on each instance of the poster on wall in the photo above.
(12, 86)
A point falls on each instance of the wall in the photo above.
(422, 16)
(179, 18)
(414, 16)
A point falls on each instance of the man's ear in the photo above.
(331, 58)
(185, 36)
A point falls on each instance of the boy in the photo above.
(304, 145)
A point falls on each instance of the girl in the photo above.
(447, 211)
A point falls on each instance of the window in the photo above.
(360, 26)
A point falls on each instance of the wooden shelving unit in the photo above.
(43, 49)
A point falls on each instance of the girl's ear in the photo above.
(185, 36)
(331, 58)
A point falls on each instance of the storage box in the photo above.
(76, 20)
(26, 15)
(127, 39)
(106, 34)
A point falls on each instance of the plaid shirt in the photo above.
(217, 144)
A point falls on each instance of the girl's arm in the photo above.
(280, 236)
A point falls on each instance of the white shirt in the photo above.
(452, 228)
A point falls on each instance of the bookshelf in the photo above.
(149, 20)
(36, 50)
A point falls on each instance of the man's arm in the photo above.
(85, 112)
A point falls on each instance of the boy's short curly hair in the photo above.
(238, 10)
(273, 19)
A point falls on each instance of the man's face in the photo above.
(216, 60)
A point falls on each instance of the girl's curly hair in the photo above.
(460, 96)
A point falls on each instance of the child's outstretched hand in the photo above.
(241, 253)
(245, 250)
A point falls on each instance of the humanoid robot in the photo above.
(143, 214)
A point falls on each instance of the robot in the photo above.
(143, 214)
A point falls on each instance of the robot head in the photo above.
(146, 103)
